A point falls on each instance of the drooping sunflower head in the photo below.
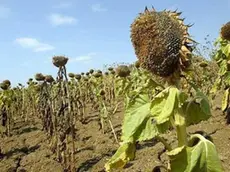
(112, 72)
(102, 92)
(39, 77)
(49, 78)
(137, 64)
(123, 71)
(99, 71)
(71, 75)
(97, 75)
(110, 68)
(203, 64)
(225, 31)
(78, 76)
(161, 41)
(5, 84)
(91, 71)
(59, 61)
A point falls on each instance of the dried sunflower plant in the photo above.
(222, 58)
(163, 47)
(6, 102)
(63, 140)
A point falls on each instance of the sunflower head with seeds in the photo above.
(161, 41)
(5, 84)
(225, 31)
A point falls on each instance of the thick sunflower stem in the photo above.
(180, 123)
(180, 120)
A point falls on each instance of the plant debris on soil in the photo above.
(27, 150)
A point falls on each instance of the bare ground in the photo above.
(28, 149)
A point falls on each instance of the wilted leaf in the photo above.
(202, 157)
(218, 55)
(226, 50)
(149, 129)
(216, 85)
(163, 104)
(225, 100)
(223, 67)
(194, 113)
(198, 108)
(138, 110)
(138, 125)
(227, 78)
(124, 154)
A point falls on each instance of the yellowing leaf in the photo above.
(162, 106)
(136, 113)
(216, 85)
(223, 67)
(226, 50)
(201, 157)
(138, 125)
(225, 100)
(124, 154)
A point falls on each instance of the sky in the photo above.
(91, 33)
